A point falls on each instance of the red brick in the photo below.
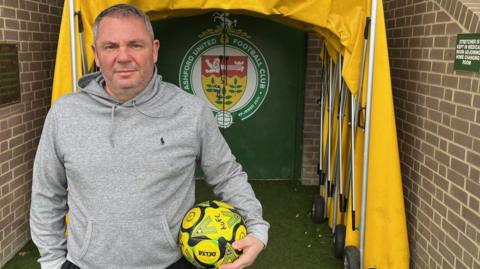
(465, 113)
(456, 151)
(450, 81)
(7, 13)
(12, 24)
(445, 133)
(471, 216)
(10, 35)
(456, 178)
(22, 14)
(438, 29)
(11, 3)
(463, 98)
(459, 125)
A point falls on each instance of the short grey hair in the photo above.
(122, 10)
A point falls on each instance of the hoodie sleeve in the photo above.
(49, 198)
(226, 175)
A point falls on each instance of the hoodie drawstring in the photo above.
(112, 125)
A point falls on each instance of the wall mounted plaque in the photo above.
(467, 52)
(9, 74)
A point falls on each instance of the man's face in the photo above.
(126, 54)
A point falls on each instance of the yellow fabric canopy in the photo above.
(341, 24)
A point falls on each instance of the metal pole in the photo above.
(338, 168)
(83, 55)
(355, 104)
(371, 58)
(323, 88)
(337, 189)
(343, 99)
(329, 135)
(331, 103)
(322, 110)
(73, 51)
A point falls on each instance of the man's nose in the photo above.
(123, 54)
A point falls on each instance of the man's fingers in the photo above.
(250, 247)
(239, 263)
(240, 244)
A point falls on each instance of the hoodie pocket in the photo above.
(130, 242)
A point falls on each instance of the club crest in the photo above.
(225, 68)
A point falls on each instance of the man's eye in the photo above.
(109, 47)
(136, 46)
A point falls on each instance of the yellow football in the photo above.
(207, 233)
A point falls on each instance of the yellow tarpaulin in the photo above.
(341, 24)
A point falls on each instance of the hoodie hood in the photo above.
(92, 84)
(147, 102)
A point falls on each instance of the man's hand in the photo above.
(250, 247)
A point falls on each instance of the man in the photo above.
(126, 147)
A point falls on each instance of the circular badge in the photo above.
(229, 72)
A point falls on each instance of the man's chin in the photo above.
(126, 86)
(126, 83)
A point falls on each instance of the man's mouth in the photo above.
(125, 71)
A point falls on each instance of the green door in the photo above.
(251, 72)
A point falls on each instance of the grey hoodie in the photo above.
(129, 168)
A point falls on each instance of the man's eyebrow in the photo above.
(107, 42)
(129, 42)
(136, 41)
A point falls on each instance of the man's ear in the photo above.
(96, 56)
(156, 48)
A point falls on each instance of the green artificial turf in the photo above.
(295, 242)
(25, 258)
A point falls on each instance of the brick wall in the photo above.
(438, 124)
(438, 120)
(34, 26)
(311, 123)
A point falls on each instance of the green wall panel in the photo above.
(268, 142)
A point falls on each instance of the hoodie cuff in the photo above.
(261, 233)
(55, 264)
